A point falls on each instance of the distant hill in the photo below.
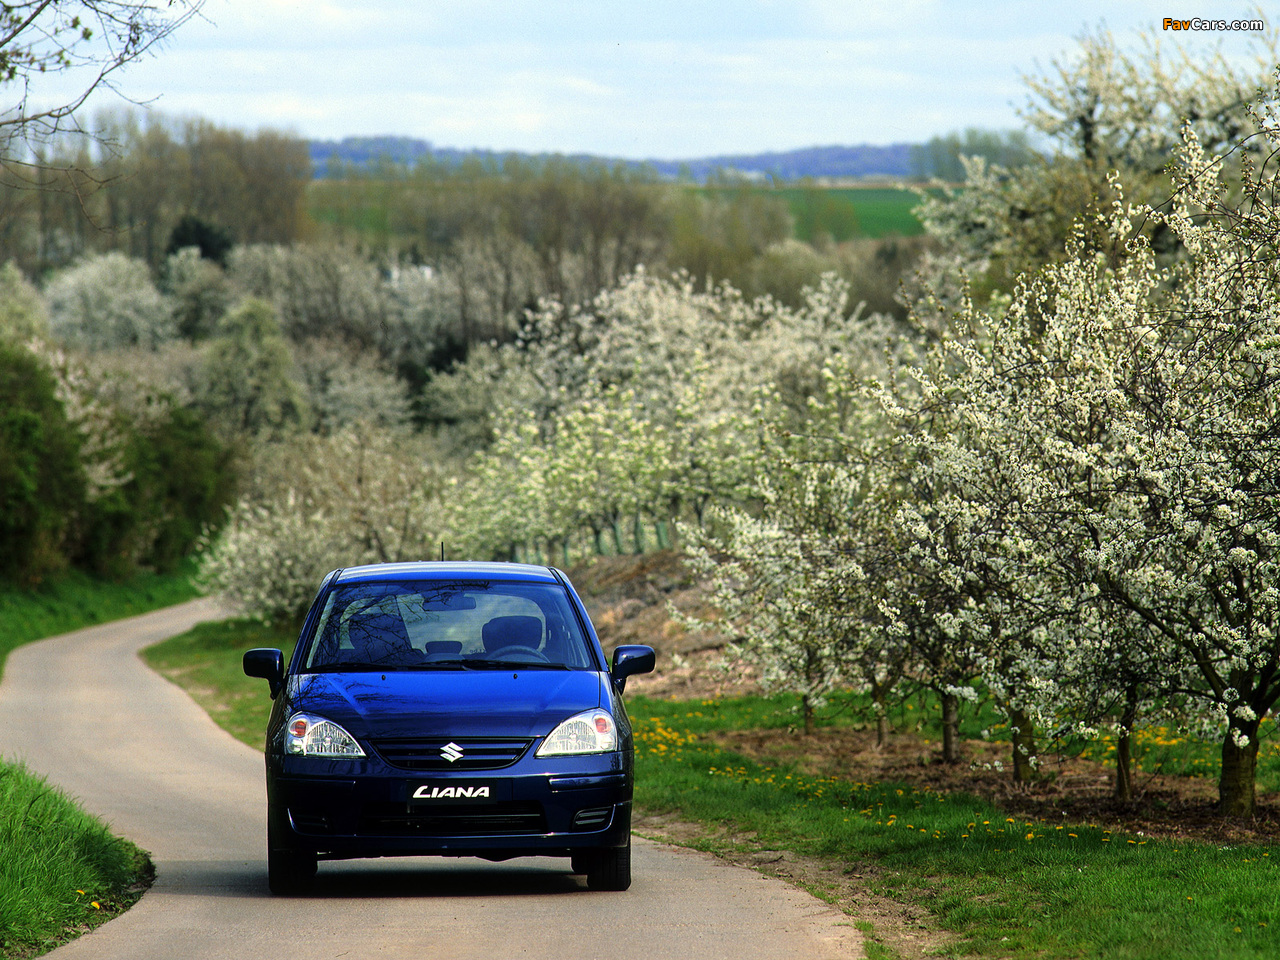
(866, 160)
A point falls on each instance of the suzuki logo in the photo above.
(451, 751)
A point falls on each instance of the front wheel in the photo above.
(609, 869)
(289, 870)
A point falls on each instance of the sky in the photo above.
(646, 79)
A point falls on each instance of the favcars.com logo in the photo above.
(1198, 23)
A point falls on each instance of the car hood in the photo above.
(476, 703)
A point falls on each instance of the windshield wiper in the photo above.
(481, 663)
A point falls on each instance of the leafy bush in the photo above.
(106, 302)
(42, 484)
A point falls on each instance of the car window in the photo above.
(408, 625)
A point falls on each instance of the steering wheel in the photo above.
(520, 649)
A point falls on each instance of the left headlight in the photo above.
(590, 732)
(311, 736)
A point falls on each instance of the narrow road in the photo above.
(83, 710)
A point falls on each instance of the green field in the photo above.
(361, 209)
(997, 885)
(846, 213)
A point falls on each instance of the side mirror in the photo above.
(267, 663)
(629, 660)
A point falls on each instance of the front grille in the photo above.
(497, 819)
(468, 753)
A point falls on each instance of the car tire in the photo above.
(610, 869)
(290, 871)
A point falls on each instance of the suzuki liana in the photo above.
(450, 709)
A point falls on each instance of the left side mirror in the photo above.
(267, 663)
(629, 660)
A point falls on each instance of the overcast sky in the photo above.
(663, 79)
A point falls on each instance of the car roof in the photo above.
(446, 570)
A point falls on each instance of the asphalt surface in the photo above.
(84, 711)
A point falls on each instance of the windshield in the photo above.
(422, 625)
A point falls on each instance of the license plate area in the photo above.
(425, 795)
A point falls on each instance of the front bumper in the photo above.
(566, 806)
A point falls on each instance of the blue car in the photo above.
(450, 709)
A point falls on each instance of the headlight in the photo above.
(317, 737)
(590, 732)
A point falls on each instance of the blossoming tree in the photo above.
(1111, 457)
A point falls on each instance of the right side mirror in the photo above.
(267, 663)
(628, 660)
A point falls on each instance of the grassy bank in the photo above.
(207, 663)
(61, 870)
(1001, 885)
(73, 600)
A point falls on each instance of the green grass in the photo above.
(73, 600)
(1006, 887)
(61, 871)
(207, 663)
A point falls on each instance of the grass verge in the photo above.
(207, 663)
(62, 872)
(73, 600)
(1003, 886)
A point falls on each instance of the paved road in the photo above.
(83, 710)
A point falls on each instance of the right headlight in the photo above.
(591, 732)
(312, 736)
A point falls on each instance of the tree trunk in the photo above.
(806, 706)
(1124, 766)
(950, 728)
(882, 716)
(1239, 767)
(1124, 749)
(1024, 746)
